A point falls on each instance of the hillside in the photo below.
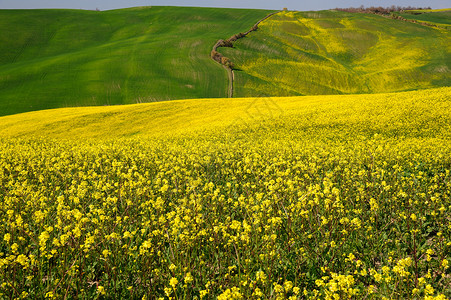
(436, 17)
(63, 58)
(71, 58)
(310, 196)
(333, 52)
(406, 114)
(317, 197)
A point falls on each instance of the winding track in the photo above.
(231, 74)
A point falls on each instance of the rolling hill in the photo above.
(436, 17)
(316, 197)
(334, 52)
(67, 58)
(63, 58)
(408, 113)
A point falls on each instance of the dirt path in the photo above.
(231, 76)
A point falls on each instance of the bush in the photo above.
(215, 55)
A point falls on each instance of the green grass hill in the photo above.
(64, 58)
(437, 17)
(334, 52)
(71, 58)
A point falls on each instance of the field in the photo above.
(64, 58)
(329, 197)
(438, 17)
(334, 52)
(323, 196)
(72, 58)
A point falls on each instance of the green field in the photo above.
(63, 58)
(438, 17)
(333, 52)
(66, 58)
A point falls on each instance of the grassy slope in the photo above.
(440, 17)
(402, 114)
(329, 52)
(60, 58)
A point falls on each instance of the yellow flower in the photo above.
(258, 292)
(445, 264)
(188, 278)
(428, 290)
(14, 248)
(260, 276)
(23, 260)
(203, 293)
(106, 253)
(101, 290)
(278, 288)
(173, 282)
(288, 285)
(378, 277)
(7, 237)
(172, 267)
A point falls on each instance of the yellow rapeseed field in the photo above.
(321, 197)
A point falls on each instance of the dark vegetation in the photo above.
(380, 9)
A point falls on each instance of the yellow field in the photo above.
(430, 10)
(370, 112)
(329, 197)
